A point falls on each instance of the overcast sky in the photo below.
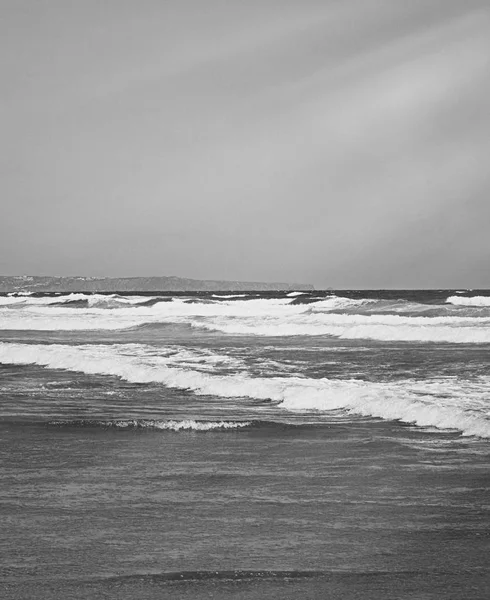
(343, 143)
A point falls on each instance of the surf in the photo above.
(333, 316)
(445, 403)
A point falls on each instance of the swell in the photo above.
(152, 301)
(72, 303)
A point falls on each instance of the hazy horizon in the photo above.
(299, 283)
(341, 144)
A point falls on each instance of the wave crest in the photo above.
(335, 316)
(153, 424)
(389, 328)
(444, 403)
(469, 301)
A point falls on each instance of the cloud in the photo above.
(307, 144)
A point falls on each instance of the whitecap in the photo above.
(469, 301)
(445, 403)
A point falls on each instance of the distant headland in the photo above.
(25, 283)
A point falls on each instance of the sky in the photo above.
(343, 143)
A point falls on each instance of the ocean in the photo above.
(251, 445)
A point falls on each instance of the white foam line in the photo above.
(443, 403)
(459, 330)
(471, 301)
(171, 425)
(256, 317)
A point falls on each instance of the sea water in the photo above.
(262, 445)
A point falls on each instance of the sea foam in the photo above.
(152, 424)
(335, 316)
(469, 301)
(389, 328)
(443, 403)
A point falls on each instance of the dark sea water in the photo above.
(277, 445)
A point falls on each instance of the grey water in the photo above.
(176, 457)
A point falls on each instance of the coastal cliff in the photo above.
(26, 283)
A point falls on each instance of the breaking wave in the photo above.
(153, 424)
(20, 294)
(228, 296)
(299, 315)
(390, 328)
(469, 301)
(445, 403)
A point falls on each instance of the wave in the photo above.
(66, 323)
(333, 303)
(153, 424)
(85, 299)
(152, 301)
(11, 300)
(51, 318)
(443, 403)
(389, 328)
(72, 303)
(44, 301)
(469, 301)
(230, 295)
(20, 294)
(335, 316)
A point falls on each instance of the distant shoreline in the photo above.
(28, 283)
